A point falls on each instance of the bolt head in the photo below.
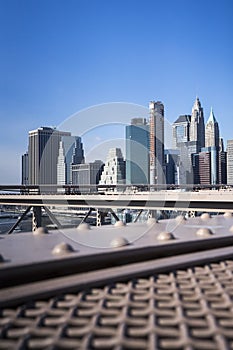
(205, 216)
(62, 249)
(204, 232)
(119, 242)
(165, 236)
(227, 215)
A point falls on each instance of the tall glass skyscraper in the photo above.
(156, 127)
(137, 152)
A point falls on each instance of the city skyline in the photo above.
(201, 158)
(62, 57)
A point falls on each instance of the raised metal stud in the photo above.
(119, 242)
(205, 216)
(227, 215)
(165, 236)
(204, 232)
(62, 248)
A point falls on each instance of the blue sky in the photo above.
(61, 56)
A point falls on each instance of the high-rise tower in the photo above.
(43, 152)
(212, 131)
(230, 162)
(156, 127)
(180, 130)
(137, 152)
(197, 125)
(70, 152)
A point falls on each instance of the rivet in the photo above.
(151, 221)
(83, 226)
(119, 223)
(119, 242)
(205, 216)
(165, 236)
(40, 231)
(62, 248)
(204, 232)
(227, 215)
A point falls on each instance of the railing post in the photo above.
(36, 218)
(99, 217)
(192, 214)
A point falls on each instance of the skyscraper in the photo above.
(70, 152)
(25, 170)
(204, 167)
(180, 130)
(156, 127)
(230, 162)
(222, 163)
(43, 154)
(212, 131)
(212, 149)
(197, 126)
(137, 152)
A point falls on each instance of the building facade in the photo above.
(197, 125)
(43, 152)
(156, 130)
(181, 130)
(87, 174)
(172, 159)
(230, 162)
(212, 131)
(114, 168)
(204, 167)
(70, 152)
(137, 152)
(25, 170)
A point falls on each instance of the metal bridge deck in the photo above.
(160, 291)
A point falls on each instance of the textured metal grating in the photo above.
(184, 309)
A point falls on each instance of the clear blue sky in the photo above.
(61, 56)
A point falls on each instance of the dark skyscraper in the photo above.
(25, 170)
(156, 127)
(43, 154)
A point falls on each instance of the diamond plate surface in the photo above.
(184, 309)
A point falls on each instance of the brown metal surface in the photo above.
(186, 309)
